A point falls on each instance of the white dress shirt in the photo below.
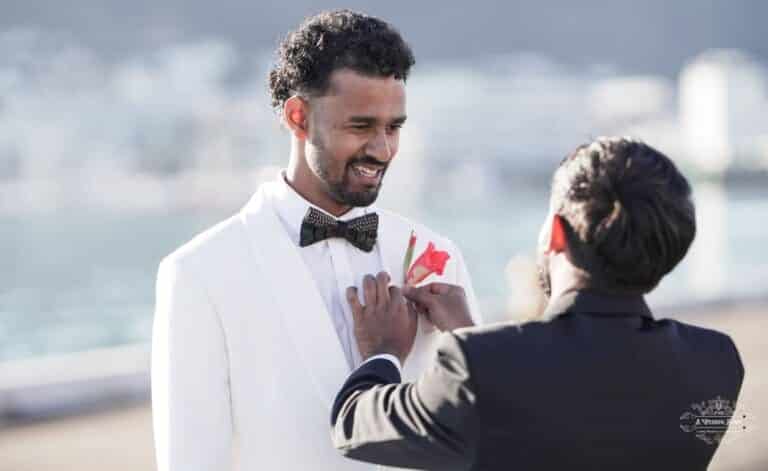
(335, 265)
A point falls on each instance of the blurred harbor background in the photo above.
(125, 129)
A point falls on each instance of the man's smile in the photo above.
(367, 174)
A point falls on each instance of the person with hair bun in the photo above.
(597, 383)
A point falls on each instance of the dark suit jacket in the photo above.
(601, 386)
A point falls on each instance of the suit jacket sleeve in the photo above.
(190, 388)
(463, 279)
(430, 424)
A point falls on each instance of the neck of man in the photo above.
(301, 178)
(564, 277)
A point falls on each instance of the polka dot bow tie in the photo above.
(360, 232)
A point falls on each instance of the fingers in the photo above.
(354, 302)
(414, 310)
(382, 288)
(421, 295)
(441, 288)
(417, 308)
(396, 296)
(430, 290)
(369, 290)
(401, 307)
(413, 314)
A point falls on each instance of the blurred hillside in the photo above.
(652, 36)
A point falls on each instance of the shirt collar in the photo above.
(597, 303)
(291, 208)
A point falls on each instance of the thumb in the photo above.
(440, 289)
(419, 295)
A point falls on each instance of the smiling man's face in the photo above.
(353, 134)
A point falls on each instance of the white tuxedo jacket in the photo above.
(245, 359)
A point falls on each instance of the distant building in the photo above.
(723, 111)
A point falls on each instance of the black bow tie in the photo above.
(360, 232)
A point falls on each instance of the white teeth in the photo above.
(366, 172)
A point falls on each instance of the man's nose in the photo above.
(380, 147)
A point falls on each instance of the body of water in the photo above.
(89, 206)
(75, 280)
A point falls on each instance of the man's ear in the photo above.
(295, 116)
(557, 240)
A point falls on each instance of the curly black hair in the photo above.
(629, 213)
(334, 40)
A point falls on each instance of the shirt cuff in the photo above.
(386, 356)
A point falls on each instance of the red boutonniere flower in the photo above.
(430, 261)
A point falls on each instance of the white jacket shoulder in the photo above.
(208, 246)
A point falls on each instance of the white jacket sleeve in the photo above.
(463, 279)
(190, 377)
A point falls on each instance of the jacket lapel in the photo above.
(295, 293)
(393, 242)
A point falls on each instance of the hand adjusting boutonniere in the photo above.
(430, 261)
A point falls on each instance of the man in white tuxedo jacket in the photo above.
(253, 335)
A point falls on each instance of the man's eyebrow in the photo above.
(371, 120)
(363, 119)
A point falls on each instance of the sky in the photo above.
(645, 37)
